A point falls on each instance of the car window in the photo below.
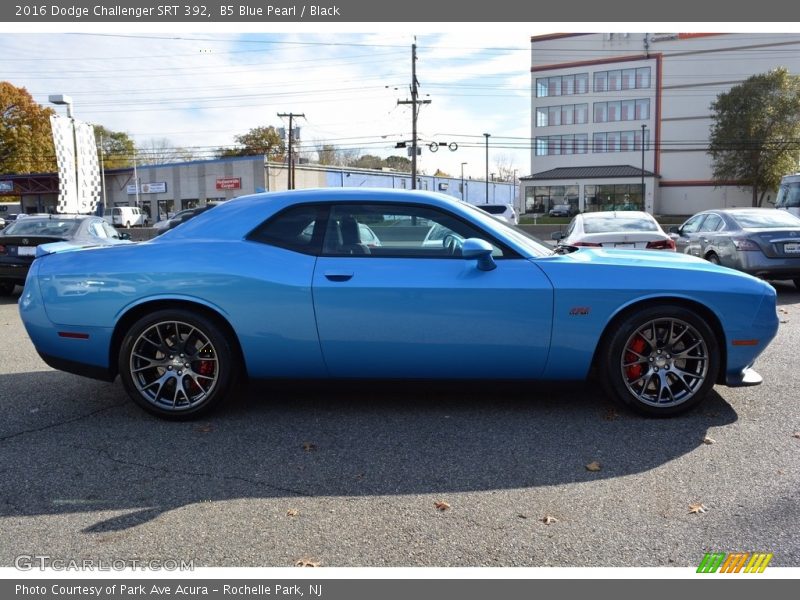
(296, 228)
(405, 231)
(766, 219)
(712, 223)
(46, 227)
(611, 224)
(110, 231)
(97, 230)
(693, 224)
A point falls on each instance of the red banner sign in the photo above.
(229, 183)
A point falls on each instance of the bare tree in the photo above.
(161, 151)
(504, 165)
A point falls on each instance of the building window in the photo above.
(643, 109)
(581, 114)
(601, 81)
(625, 196)
(622, 110)
(541, 117)
(624, 79)
(643, 77)
(564, 85)
(581, 143)
(541, 146)
(619, 141)
(554, 115)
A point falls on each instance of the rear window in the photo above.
(493, 209)
(611, 224)
(767, 219)
(45, 227)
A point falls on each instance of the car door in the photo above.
(411, 308)
(686, 238)
(705, 241)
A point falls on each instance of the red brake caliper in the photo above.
(635, 371)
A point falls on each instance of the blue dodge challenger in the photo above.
(370, 283)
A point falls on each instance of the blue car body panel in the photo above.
(300, 315)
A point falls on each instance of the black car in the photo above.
(182, 217)
(562, 210)
(19, 240)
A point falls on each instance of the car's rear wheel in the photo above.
(7, 287)
(176, 364)
(661, 361)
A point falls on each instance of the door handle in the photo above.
(338, 276)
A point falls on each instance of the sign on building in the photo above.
(6, 186)
(155, 187)
(229, 183)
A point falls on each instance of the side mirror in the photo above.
(480, 250)
(674, 229)
(557, 235)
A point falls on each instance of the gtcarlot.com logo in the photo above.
(734, 562)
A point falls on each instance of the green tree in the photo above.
(26, 138)
(368, 161)
(117, 147)
(440, 173)
(756, 130)
(259, 140)
(399, 163)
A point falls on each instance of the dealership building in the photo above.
(166, 189)
(622, 120)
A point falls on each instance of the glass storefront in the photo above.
(540, 199)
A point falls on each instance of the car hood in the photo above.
(644, 258)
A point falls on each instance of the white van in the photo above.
(127, 216)
(789, 194)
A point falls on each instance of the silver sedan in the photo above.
(764, 242)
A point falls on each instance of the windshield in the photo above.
(523, 238)
(788, 196)
(42, 226)
(765, 219)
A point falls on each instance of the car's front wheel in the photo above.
(176, 364)
(661, 361)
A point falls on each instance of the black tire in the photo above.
(177, 364)
(713, 258)
(7, 287)
(660, 361)
(796, 282)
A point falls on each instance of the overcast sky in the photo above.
(200, 88)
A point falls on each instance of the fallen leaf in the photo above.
(784, 320)
(709, 440)
(206, 428)
(522, 516)
(309, 447)
(306, 562)
(610, 415)
(796, 434)
(441, 505)
(548, 519)
(783, 310)
(594, 466)
(697, 507)
(292, 512)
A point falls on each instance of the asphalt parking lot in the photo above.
(350, 475)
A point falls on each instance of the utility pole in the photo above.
(487, 135)
(290, 175)
(414, 102)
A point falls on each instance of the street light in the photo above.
(486, 176)
(61, 99)
(462, 180)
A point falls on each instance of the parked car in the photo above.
(179, 218)
(504, 212)
(127, 216)
(761, 241)
(277, 285)
(562, 210)
(20, 240)
(2, 222)
(623, 229)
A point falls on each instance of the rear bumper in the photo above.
(14, 271)
(83, 369)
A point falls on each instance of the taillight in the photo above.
(2, 249)
(589, 244)
(662, 245)
(745, 244)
